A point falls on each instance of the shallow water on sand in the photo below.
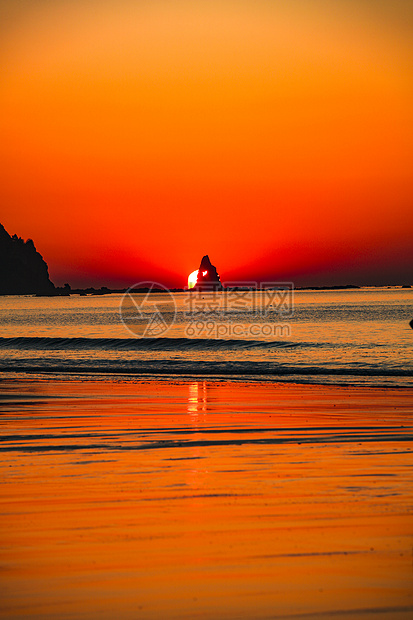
(205, 500)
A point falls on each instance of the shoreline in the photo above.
(149, 376)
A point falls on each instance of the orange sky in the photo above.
(274, 136)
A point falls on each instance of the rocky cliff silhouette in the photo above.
(208, 278)
(22, 269)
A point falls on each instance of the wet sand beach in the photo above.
(205, 499)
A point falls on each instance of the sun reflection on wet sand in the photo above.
(205, 499)
(197, 397)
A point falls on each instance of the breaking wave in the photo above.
(136, 344)
(250, 360)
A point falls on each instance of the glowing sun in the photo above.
(192, 278)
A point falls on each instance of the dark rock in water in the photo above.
(22, 269)
(208, 278)
(411, 323)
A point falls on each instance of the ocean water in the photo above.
(348, 337)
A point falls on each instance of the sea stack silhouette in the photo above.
(22, 269)
(208, 278)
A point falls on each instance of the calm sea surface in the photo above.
(358, 337)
